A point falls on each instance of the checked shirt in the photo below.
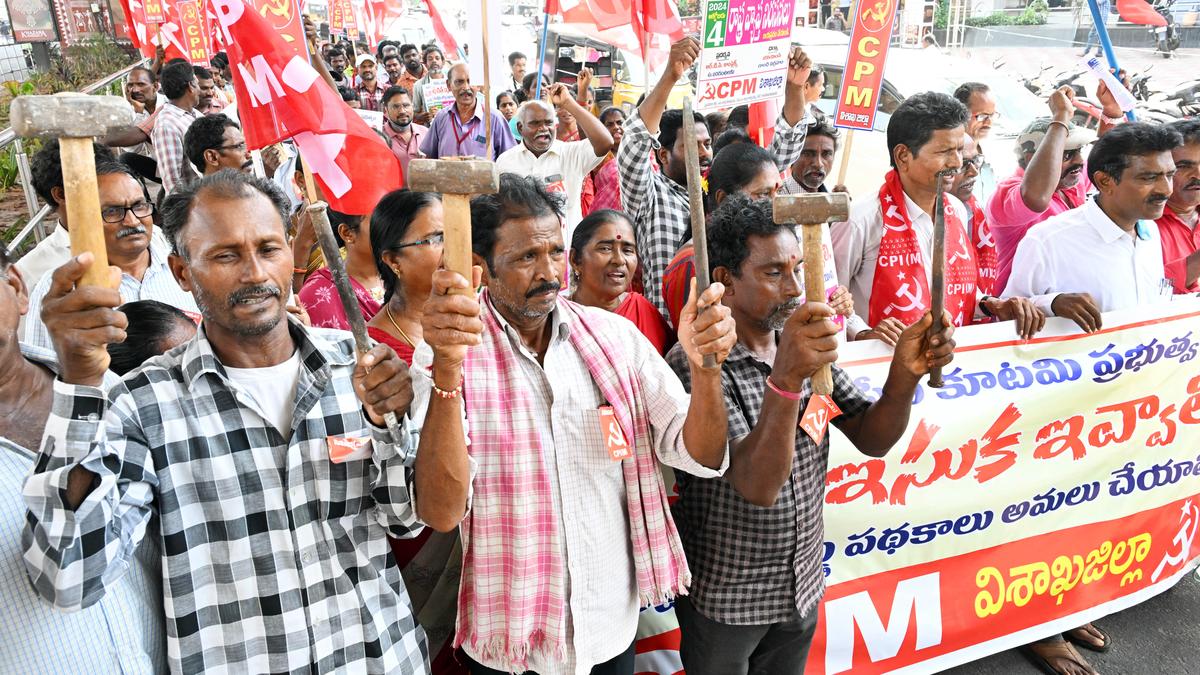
(754, 565)
(275, 559)
(659, 205)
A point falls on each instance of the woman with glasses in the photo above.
(406, 235)
(319, 294)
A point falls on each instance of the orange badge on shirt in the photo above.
(343, 449)
(816, 418)
(614, 436)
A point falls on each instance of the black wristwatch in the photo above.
(983, 306)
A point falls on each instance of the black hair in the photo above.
(528, 83)
(334, 51)
(731, 136)
(392, 57)
(913, 123)
(1112, 151)
(393, 91)
(150, 323)
(384, 44)
(1189, 129)
(109, 167)
(519, 197)
(226, 184)
(407, 47)
(202, 73)
(670, 124)
(966, 90)
(176, 78)
(586, 229)
(733, 223)
(822, 127)
(512, 58)
(502, 95)
(431, 49)
(337, 219)
(205, 133)
(735, 166)
(716, 121)
(143, 69)
(610, 110)
(220, 61)
(814, 75)
(46, 168)
(739, 117)
(178, 60)
(389, 224)
(347, 95)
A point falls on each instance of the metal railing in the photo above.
(35, 230)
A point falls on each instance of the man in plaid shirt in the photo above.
(254, 456)
(754, 537)
(182, 90)
(658, 200)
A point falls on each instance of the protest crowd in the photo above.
(202, 472)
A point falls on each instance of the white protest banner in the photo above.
(437, 95)
(744, 52)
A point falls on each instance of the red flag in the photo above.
(195, 33)
(281, 96)
(628, 25)
(553, 7)
(1140, 12)
(443, 35)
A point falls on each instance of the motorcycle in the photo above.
(1166, 37)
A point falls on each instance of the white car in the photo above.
(911, 71)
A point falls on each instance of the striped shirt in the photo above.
(157, 283)
(274, 557)
(122, 635)
(170, 124)
(756, 565)
(659, 206)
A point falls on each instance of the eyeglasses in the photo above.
(432, 240)
(116, 214)
(984, 117)
(973, 163)
(240, 147)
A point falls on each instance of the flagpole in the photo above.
(537, 92)
(1106, 45)
(487, 83)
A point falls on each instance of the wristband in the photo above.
(983, 306)
(1111, 120)
(442, 393)
(786, 394)
(299, 270)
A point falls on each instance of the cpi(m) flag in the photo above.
(1140, 12)
(281, 96)
(628, 25)
(443, 34)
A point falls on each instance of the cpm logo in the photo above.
(916, 605)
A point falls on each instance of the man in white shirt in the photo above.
(981, 110)
(55, 249)
(128, 220)
(563, 166)
(1107, 254)
(882, 251)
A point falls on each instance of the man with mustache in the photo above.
(882, 252)
(255, 457)
(434, 61)
(809, 171)
(754, 537)
(1178, 225)
(413, 69)
(208, 103)
(141, 90)
(1107, 254)
(658, 200)
(393, 69)
(568, 411)
(403, 134)
(182, 90)
(368, 89)
(1050, 178)
(964, 187)
(459, 131)
(215, 142)
(139, 257)
(562, 165)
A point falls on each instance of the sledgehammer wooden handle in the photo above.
(82, 198)
(814, 291)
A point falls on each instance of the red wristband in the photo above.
(786, 394)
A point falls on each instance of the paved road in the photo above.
(1160, 636)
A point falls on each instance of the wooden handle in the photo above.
(814, 282)
(937, 284)
(83, 207)
(456, 251)
(487, 87)
(696, 203)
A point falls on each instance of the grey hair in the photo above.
(522, 112)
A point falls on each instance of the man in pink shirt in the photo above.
(1179, 226)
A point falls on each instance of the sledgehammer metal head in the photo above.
(75, 119)
(810, 209)
(457, 180)
(69, 115)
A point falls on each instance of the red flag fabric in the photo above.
(281, 96)
(145, 35)
(632, 24)
(1140, 12)
(439, 28)
(553, 7)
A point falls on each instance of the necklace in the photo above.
(388, 311)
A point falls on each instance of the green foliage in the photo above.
(941, 15)
(1034, 15)
(70, 70)
(8, 168)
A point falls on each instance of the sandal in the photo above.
(1060, 651)
(1074, 638)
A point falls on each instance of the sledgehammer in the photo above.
(75, 119)
(457, 180)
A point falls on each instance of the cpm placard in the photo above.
(195, 35)
(744, 53)
(862, 78)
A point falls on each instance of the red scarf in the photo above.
(900, 290)
(985, 249)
